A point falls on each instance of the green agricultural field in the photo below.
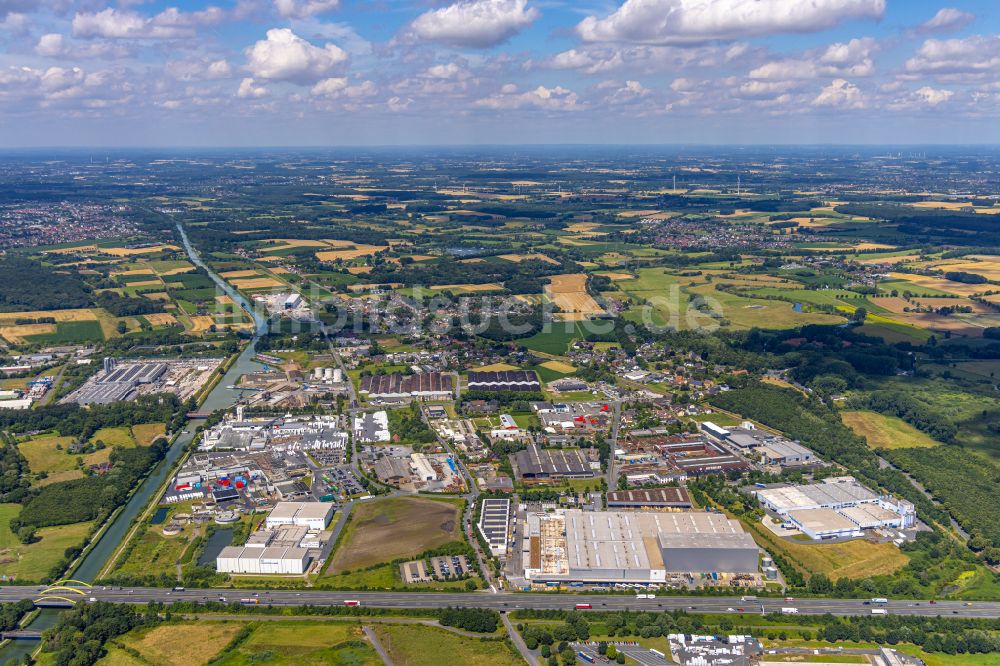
(744, 312)
(850, 559)
(47, 453)
(382, 530)
(294, 643)
(416, 645)
(35, 561)
(886, 432)
(159, 645)
(556, 341)
(70, 332)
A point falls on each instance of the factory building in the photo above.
(537, 463)
(274, 560)
(371, 427)
(312, 515)
(508, 380)
(396, 387)
(494, 523)
(635, 547)
(652, 498)
(837, 507)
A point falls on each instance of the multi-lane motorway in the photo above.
(507, 601)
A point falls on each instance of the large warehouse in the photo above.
(507, 380)
(313, 515)
(396, 387)
(644, 547)
(837, 507)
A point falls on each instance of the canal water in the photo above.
(219, 398)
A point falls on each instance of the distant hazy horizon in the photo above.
(295, 73)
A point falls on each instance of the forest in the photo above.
(28, 285)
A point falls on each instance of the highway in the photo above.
(507, 601)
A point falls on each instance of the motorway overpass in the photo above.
(509, 601)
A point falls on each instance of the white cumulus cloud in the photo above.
(304, 8)
(687, 21)
(171, 23)
(840, 94)
(947, 19)
(474, 23)
(556, 98)
(249, 89)
(978, 54)
(284, 56)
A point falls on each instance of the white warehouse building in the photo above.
(313, 515)
(270, 560)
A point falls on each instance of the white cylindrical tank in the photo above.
(328, 373)
(317, 373)
(338, 375)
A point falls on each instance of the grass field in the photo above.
(43, 455)
(204, 640)
(850, 559)
(556, 340)
(886, 432)
(33, 561)
(382, 530)
(415, 645)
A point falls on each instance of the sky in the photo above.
(213, 73)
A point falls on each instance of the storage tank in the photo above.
(338, 375)
(328, 373)
(317, 373)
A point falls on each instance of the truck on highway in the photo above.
(748, 597)
(789, 611)
(645, 596)
(879, 611)
(583, 606)
(249, 602)
(879, 601)
(351, 602)
(586, 657)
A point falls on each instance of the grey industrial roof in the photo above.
(535, 461)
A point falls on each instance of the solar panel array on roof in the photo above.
(674, 497)
(403, 385)
(494, 521)
(509, 380)
(535, 462)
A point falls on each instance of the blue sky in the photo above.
(339, 72)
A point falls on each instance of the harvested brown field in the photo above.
(383, 530)
(903, 258)
(899, 305)
(77, 314)
(359, 250)
(256, 283)
(496, 367)
(989, 268)
(201, 323)
(144, 283)
(537, 256)
(618, 276)
(161, 319)
(17, 333)
(569, 293)
(579, 227)
(288, 243)
(178, 271)
(490, 286)
(359, 270)
(132, 251)
(559, 366)
(158, 296)
(136, 271)
(941, 284)
(374, 285)
(238, 274)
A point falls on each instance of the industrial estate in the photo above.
(649, 409)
